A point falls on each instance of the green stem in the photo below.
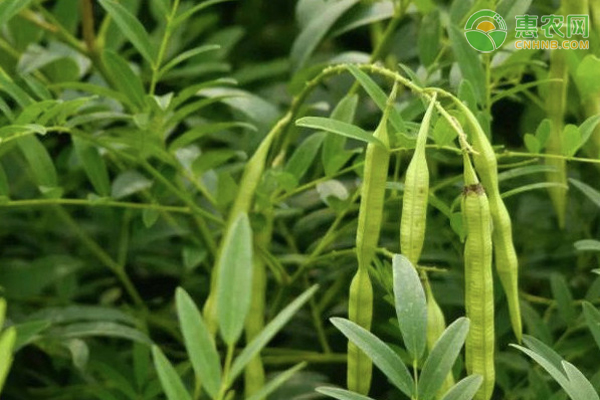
(226, 370)
(163, 47)
(92, 203)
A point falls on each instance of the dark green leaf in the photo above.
(132, 28)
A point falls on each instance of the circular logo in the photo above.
(486, 31)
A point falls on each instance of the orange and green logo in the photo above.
(486, 31)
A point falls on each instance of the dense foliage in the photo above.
(195, 195)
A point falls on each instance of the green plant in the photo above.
(411, 311)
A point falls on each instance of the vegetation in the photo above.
(294, 200)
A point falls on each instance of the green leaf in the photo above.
(441, 358)
(39, 161)
(587, 245)
(571, 140)
(511, 8)
(339, 128)
(363, 14)
(10, 8)
(261, 340)
(379, 97)
(101, 329)
(581, 388)
(411, 306)
(381, 354)
(7, 342)
(29, 332)
(132, 28)
(521, 88)
(341, 394)
(592, 319)
(334, 154)
(533, 186)
(150, 216)
(234, 287)
(200, 131)
(587, 76)
(187, 55)
(276, 382)
(125, 79)
(197, 8)
(19, 95)
(547, 358)
(564, 298)
(443, 133)
(170, 381)
(310, 37)
(522, 171)
(128, 183)
(465, 389)
(587, 129)
(199, 343)
(94, 165)
(305, 154)
(589, 191)
(212, 159)
(429, 38)
(468, 61)
(543, 132)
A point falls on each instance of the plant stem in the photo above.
(92, 203)
(163, 47)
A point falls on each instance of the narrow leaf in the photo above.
(589, 191)
(276, 382)
(94, 165)
(341, 394)
(339, 128)
(132, 28)
(199, 343)
(310, 37)
(170, 381)
(260, 341)
(234, 288)
(381, 354)
(411, 306)
(442, 357)
(379, 97)
(465, 389)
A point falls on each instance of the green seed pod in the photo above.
(415, 198)
(7, 343)
(479, 290)
(361, 312)
(436, 324)
(370, 214)
(507, 264)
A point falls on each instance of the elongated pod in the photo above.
(479, 289)
(360, 309)
(415, 198)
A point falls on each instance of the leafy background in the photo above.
(117, 178)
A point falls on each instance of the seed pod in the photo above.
(370, 213)
(436, 325)
(479, 291)
(415, 198)
(7, 343)
(507, 264)
(360, 311)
